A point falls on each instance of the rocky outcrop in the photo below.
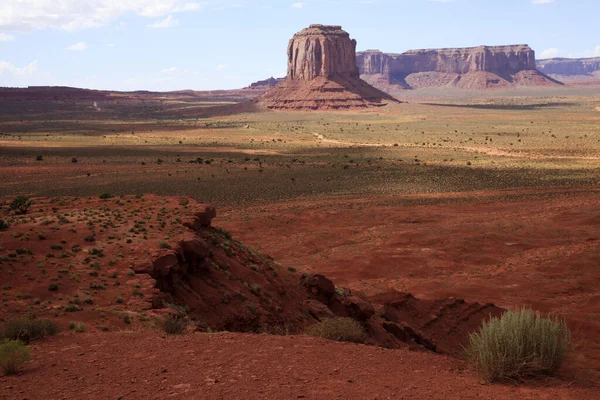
(217, 283)
(474, 68)
(322, 74)
(570, 67)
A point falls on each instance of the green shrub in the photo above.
(105, 196)
(13, 354)
(342, 329)
(173, 325)
(519, 344)
(36, 328)
(72, 308)
(21, 204)
(4, 225)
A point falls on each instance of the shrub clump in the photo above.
(77, 326)
(341, 329)
(13, 353)
(519, 344)
(173, 325)
(21, 204)
(35, 328)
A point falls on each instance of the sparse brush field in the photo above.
(257, 157)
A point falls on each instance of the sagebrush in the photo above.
(519, 344)
(13, 353)
(173, 325)
(33, 327)
(341, 329)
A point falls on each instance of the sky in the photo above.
(225, 44)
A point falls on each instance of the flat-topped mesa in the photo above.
(323, 75)
(501, 60)
(321, 51)
(479, 67)
(570, 66)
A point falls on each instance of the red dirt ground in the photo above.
(133, 365)
(532, 247)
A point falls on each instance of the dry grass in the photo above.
(519, 344)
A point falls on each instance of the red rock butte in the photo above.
(322, 74)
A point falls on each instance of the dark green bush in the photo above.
(21, 204)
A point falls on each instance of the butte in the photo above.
(322, 75)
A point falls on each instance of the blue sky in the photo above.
(210, 44)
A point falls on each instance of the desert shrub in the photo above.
(78, 326)
(519, 344)
(105, 196)
(173, 325)
(21, 204)
(35, 328)
(4, 225)
(13, 354)
(342, 329)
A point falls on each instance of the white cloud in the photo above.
(168, 22)
(542, 1)
(597, 51)
(221, 66)
(298, 4)
(549, 53)
(10, 69)
(169, 70)
(27, 15)
(77, 47)
(5, 37)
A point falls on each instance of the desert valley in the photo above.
(203, 244)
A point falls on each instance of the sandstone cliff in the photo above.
(475, 67)
(571, 68)
(322, 74)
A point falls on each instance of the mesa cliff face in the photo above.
(569, 66)
(322, 74)
(475, 67)
(321, 51)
